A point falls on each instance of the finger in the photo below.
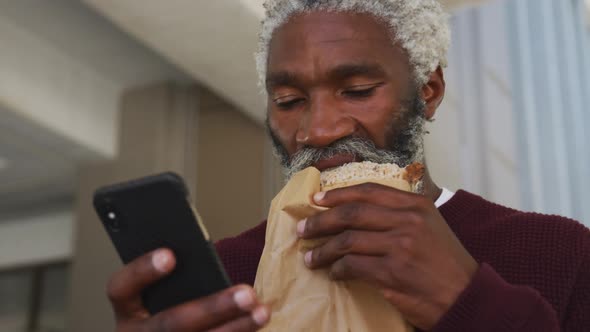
(370, 193)
(353, 216)
(125, 287)
(349, 243)
(369, 269)
(207, 312)
(259, 318)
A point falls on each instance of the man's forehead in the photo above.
(329, 40)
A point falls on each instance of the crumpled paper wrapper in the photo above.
(304, 299)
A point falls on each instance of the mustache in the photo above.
(361, 148)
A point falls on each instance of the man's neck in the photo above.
(431, 190)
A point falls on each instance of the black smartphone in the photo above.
(154, 212)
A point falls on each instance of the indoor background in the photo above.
(98, 91)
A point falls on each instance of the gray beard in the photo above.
(405, 143)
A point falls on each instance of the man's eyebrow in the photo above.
(346, 71)
(281, 78)
(338, 73)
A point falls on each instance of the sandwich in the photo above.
(407, 178)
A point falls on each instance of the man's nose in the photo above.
(323, 123)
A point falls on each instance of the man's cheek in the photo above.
(280, 130)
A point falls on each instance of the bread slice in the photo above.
(408, 178)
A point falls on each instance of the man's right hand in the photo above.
(233, 309)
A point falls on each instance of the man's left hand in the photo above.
(394, 240)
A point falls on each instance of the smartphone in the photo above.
(155, 212)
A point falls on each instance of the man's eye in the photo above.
(288, 104)
(360, 92)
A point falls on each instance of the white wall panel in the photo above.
(36, 239)
(486, 152)
(551, 93)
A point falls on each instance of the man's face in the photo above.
(336, 76)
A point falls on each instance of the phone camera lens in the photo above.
(112, 220)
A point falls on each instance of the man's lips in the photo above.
(337, 160)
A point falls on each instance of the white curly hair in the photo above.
(419, 26)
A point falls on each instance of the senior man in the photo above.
(356, 80)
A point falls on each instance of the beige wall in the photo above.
(230, 171)
(164, 127)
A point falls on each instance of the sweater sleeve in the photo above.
(577, 318)
(491, 304)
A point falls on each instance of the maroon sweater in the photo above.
(534, 272)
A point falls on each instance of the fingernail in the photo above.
(319, 196)
(307, 258)
(301, 227)
(260, 315)
(161, 260)
(244, 299)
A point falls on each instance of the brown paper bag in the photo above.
(306, 300)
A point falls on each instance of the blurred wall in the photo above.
(39, 237)
(166, 127)
(230, 168)
(472, 144)
(64, 67)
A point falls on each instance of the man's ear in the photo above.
(433, 92)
